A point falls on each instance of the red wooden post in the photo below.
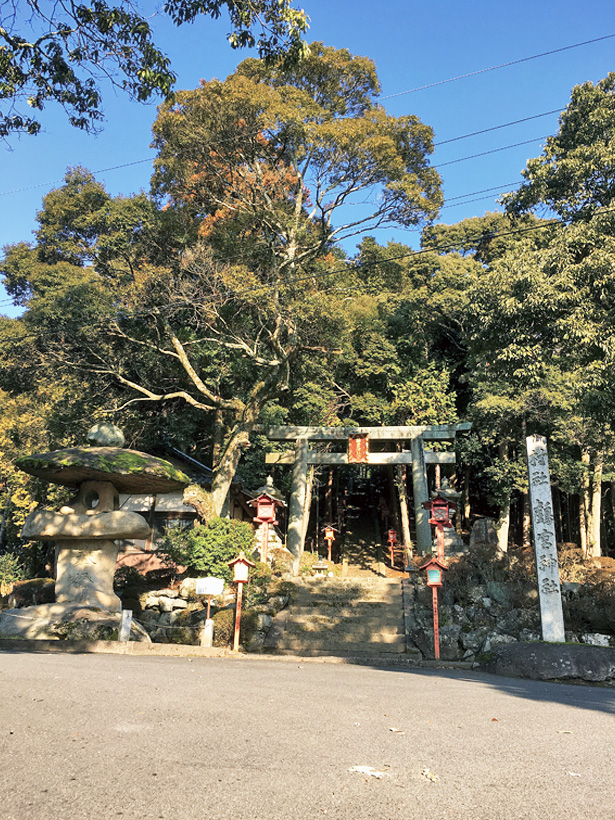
(265, 546)
(392, 541)
(436, 627)
(241, 566)
(238, 616)
(434, 568)
(440, 540)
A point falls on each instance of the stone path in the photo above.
(331, 616)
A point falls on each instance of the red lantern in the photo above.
(440, 509)
(329, 532)
(266, 506)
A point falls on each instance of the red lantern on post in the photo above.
(329, 533)
(440, 509)
(241, 570)
(392, 539)
(266, 505)
(434, 568)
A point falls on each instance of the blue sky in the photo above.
(413, 44)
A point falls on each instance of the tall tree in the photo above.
(59, 52)
(250, 178)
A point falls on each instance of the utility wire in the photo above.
(151, 159)
(497, 127)
(493, 151)
(497, 67)
(351, 266)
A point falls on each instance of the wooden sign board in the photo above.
(209, 586)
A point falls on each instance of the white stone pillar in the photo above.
(420, 493)
(545, 548)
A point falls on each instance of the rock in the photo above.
(105, 435)
(263, 621)
(571, 589)
(527, 635)
(500, 592)
(484, 533)
(553, 661)
(495, 639)
(65, 622)
(449, 642)
(167, 592)
(187, 588)
(278, 602)
(255, 644)
(165, 604)
(476, 594)
(596, 639)
(474, 639)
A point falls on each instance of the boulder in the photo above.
(449, 642)
(596, 639)
(553, 661)
(65, 622)
(484, 534)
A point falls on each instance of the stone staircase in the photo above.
(345, 617)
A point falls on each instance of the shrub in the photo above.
(257, 590)
(128, 579)
(11, 571)
(224, 627)
(206, 549)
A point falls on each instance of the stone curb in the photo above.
(137, 648)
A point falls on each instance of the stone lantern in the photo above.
(86, 529)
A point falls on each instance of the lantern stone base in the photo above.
(85, 572)
(58, 622)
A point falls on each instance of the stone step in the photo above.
(348, 616)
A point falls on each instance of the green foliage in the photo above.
(257, 591)
(206, 549)
(71, 47)
(11, 569)
(574, 174)
(224, 626)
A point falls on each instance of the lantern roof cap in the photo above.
(446, 492)
(241, 559)
(270, 491)
(434, 561)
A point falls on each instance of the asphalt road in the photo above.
(98, 737)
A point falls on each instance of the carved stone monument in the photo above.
(86, 529)
(547, 569)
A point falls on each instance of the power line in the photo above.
(497, 127)
(492, 151)
(353, 265)
(497, 67)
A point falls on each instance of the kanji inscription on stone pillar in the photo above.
(547, 570)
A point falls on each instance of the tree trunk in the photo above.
(393, 498)
(557, 512)
(467, 509)
(402, 489)
(593, 529)
(503, 523)
(526, 522)
(308, 504)
(218, 438)
(584, 502)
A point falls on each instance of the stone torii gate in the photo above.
(358, 439)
